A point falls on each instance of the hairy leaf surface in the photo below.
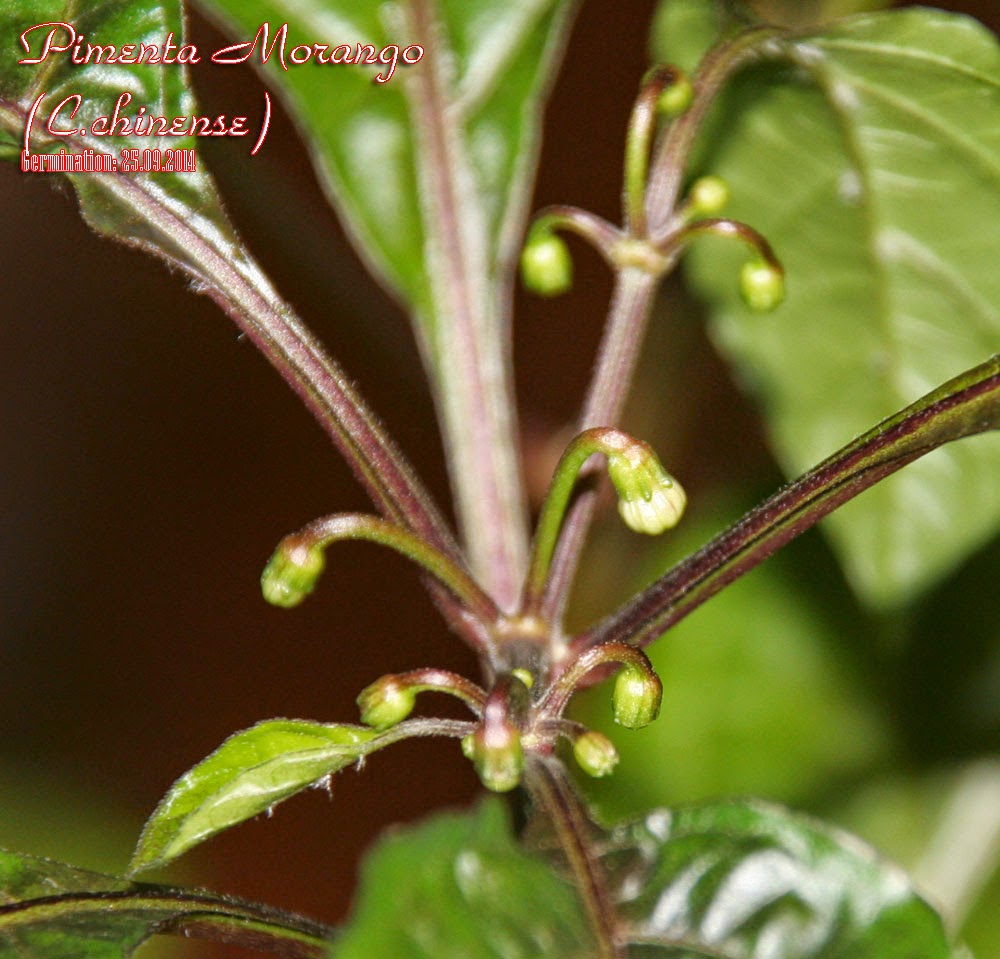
(873, 167)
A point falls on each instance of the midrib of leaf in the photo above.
(884, 286)
(464, 335)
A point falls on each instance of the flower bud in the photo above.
(291, 574)
(386, 702)
(636, 698)
(708, 196)
(546, 264)
(498, 756)
(650, 500)
(762, 285)
(595, 754)
(676, 97)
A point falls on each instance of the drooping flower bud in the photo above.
(676, 96)
(708, 196)
(595, 753)
(636, 698)
(650, 500)
(546, 264)
(762, 285)
(386, 702)
(498, 756)
(291, 574)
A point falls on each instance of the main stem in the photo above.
(631, 305)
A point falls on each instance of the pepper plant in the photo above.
(791, 168)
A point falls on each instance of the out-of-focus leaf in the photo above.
(247, 775)
(742, 880)
(874, 170)
(682, 30)
(460, 887)
(733, 673)
(52, 911)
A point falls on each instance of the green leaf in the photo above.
(460, 887)
(163, 89)
(368, 138)
(740, 879)
(247, 775)
(733, 672)
(431, 174)
(52, 911)
(874, 170)
(178, 216)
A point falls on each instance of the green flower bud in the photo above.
(650, 500)
(636, 698)
(469, 747)
(546, 265)
(498, 757)
(525, 676)
(676, 97)
(708, 196)
(762, 285)
(595, 754)
(386, 702)
(291, 574)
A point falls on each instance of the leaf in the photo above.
(431, 173)
(737, 879)
(178, 216)
(732, 675)
(874, 170)
(52, 911)
(964, 406)
(475, 895)
(247, 775)
(368, 138)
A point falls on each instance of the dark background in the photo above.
(150, 461)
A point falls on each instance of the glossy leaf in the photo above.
(742, 879)
(52, 911)
(460, 887)
(247, 775)
(874, 170)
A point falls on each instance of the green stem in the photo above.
(729, 229)
(558, 695)
(550, 521)
(617, 356)
(363, 526)
(641, 127)
(671, 160)
(176, 912)
(600, 234)
(443, 681)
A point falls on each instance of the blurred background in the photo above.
(150, 460)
